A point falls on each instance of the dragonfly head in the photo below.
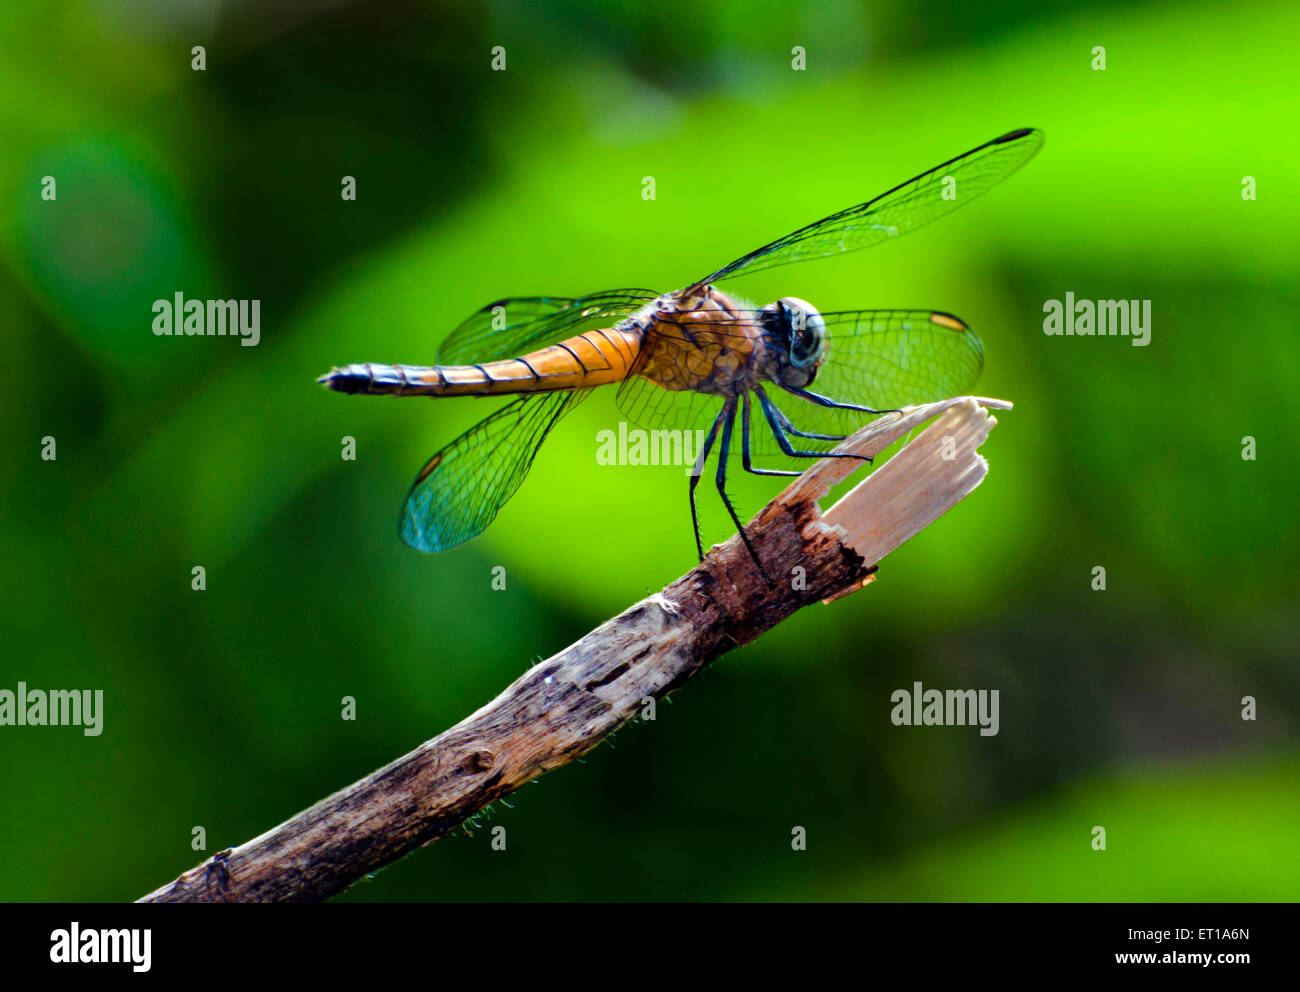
(799, 332)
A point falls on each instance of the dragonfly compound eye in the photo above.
(807, 332)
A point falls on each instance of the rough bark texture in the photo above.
(564, 706)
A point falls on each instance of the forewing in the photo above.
(461, 488)
(511, 327)
(885, 360)
(882, 359)
(904, 208)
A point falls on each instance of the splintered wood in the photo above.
(563, 707)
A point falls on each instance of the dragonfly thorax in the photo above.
(797, 335)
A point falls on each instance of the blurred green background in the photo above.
(1119, 708)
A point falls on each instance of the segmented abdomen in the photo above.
(593, 358)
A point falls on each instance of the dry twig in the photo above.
(563, 707)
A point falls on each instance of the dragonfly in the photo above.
(696, 359)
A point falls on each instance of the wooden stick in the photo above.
(563, 707)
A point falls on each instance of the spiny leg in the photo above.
(791, 429)
(695, 477)
(773, 415)
(724, 446)
(744, 444)
(827, 401)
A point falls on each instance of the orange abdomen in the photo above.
(594, 358)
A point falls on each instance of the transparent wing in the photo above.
(887, 359)
(680, 357)
(677, 421)
(461, 488)
(511, 327)
(882, 359)
(904, 208)
(650, 406)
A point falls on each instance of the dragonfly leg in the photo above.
(774, 417)
(827, 401)
(745, 448)
(790, 428)
(729, 412)
(697, 472)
